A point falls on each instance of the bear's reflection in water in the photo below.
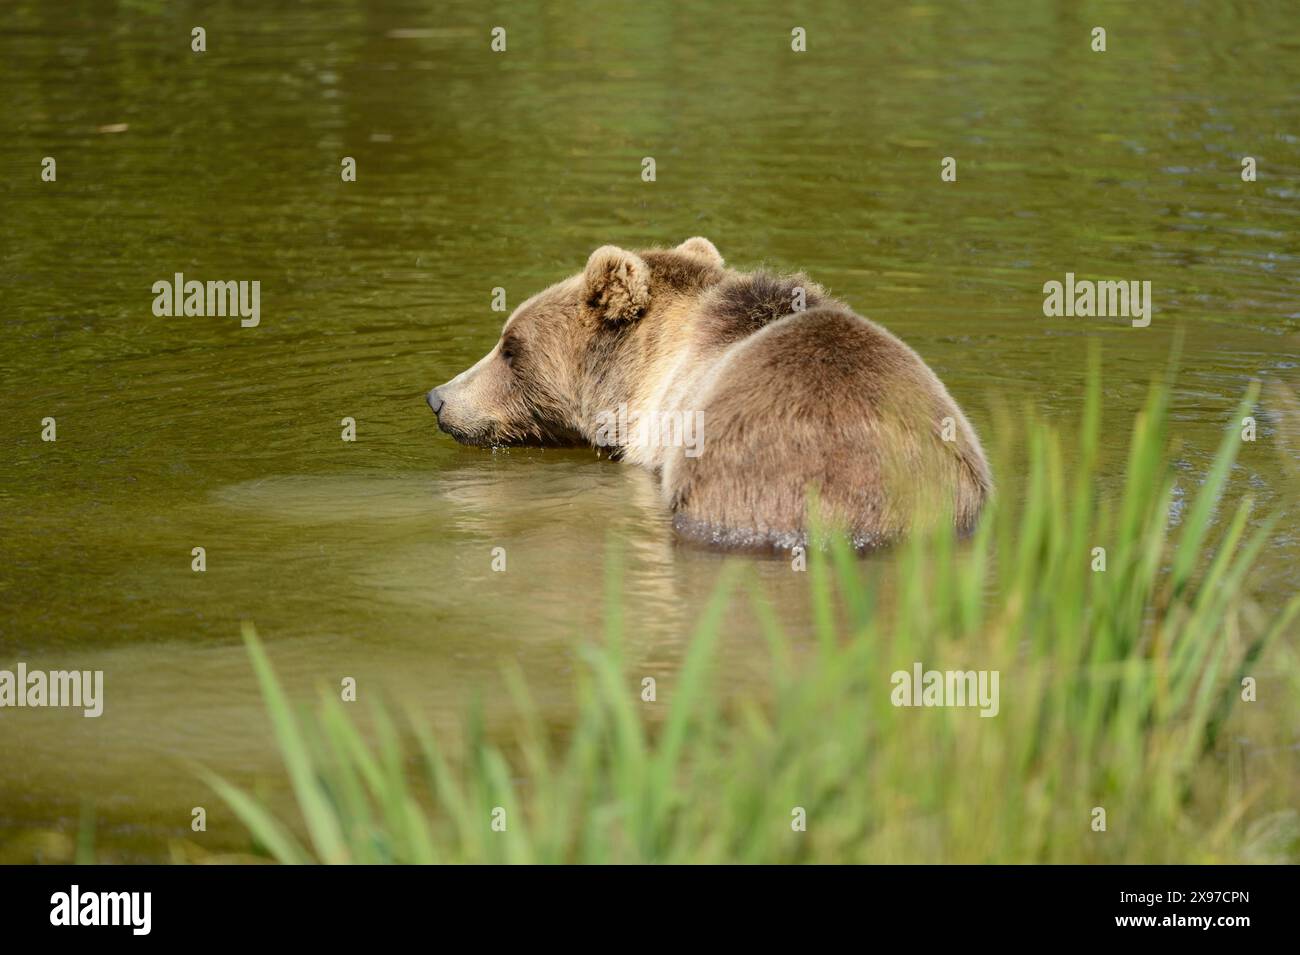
(420, 557)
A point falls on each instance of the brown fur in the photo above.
(742, 304)
(818, 401)
(856, 420)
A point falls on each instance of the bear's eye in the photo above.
(509, 349)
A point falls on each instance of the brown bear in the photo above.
(753, 397)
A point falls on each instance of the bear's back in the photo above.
(823, 399)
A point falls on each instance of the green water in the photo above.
(372, 559)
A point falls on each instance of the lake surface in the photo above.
(475, 170)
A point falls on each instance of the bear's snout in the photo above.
(436, 403)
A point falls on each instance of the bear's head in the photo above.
(577, 349)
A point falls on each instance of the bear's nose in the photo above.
(435, 400)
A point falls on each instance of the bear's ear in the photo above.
(702, 248)
(617, 284)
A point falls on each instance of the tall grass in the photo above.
(1116, 686)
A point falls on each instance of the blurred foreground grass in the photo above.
(1116, 689)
